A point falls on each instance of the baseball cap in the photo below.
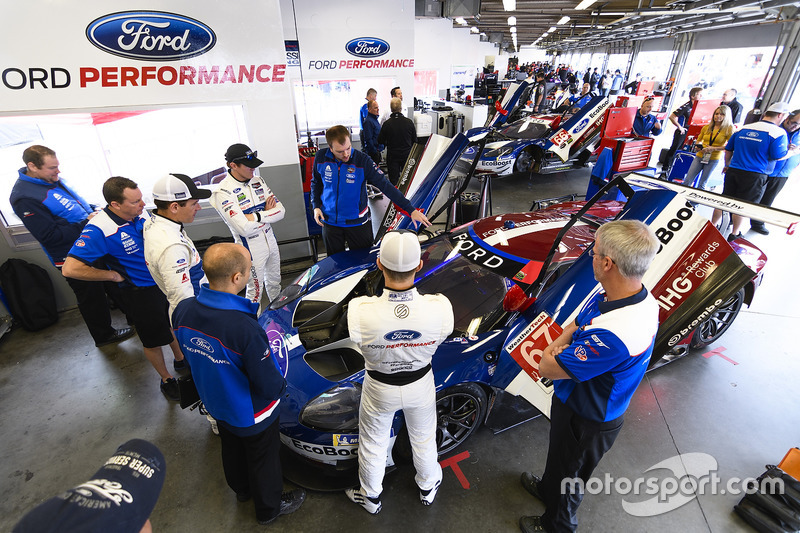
(120, 497)
(177, 188)
(242, 155)
(400, 251)
(779, 107)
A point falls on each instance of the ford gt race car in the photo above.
(538, 144)
(513, 280)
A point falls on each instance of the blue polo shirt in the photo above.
(784, 167)
(608, 355)
(643, 125)
(756, 147)
(119, 243)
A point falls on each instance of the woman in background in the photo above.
(712, 138)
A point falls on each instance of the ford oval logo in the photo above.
(367, 47)
(402, 335)
(151, 35)
(582, 124)
(203, 344)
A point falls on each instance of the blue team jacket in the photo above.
(340, 189)
(230, 358)
(54, 214)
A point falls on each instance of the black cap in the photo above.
(120, 497)
(241, 154)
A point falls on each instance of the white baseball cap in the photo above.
(779, 107)
(177, 188)
(400, 251)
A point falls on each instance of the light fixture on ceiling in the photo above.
(584, 4)
(510, 5)
(563, 20)
(512, 21)
(474, 29)
(551, 29)
(461, 21)
(513, 30)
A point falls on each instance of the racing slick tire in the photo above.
(718, 323)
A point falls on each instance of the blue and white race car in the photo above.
(538, 144)
(513, 280)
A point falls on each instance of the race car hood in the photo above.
(587, 122)
(507, 107)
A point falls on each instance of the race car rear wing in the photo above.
(769, 215)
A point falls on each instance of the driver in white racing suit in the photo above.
(398, 333)
(248, 207)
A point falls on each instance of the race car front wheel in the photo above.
(719, 322)
(525, 161)
(460, 410)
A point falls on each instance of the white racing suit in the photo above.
(172, 260)
(235, 199)
(398, 333)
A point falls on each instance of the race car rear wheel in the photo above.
(460, 410)
(719, 322)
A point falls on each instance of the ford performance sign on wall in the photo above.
(151, 35)
(367, 47)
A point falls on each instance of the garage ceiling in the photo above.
(605, 22)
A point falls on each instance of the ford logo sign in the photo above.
(367, 47)
(582, 124)
(151, 35)
(203, 344)
(402, 335)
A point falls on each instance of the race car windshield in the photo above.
(526, 129)
(475, 293)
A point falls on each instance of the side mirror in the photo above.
(516, 300)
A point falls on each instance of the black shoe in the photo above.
(179, 365)
(171, 390)
(760, 228)
(531, 484)
(530, 524)
(119, 335)
(243, 496)
(733, 237)
(290, 502)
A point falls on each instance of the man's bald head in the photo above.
(223, 261)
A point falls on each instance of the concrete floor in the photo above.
(67, 405)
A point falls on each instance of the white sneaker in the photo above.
(427, 496)
(213, 422)
(371, 505)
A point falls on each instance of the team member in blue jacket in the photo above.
(339, 193)
(55, 215)
(645, 124)
(115, 236)
(238, 381)
(750, 156)
(783, 168)
(369, 135)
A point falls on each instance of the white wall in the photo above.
(438, 46)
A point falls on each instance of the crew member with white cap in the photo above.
(248, 207)
(171, 256)
(398, 333)
(750, 156)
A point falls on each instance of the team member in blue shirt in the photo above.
(115, 236)
(750, 156)
(339, 193)
(645, 124)
(596, 363)
(55, 215)
(783, 168)
(239, 383)
(369, 135)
